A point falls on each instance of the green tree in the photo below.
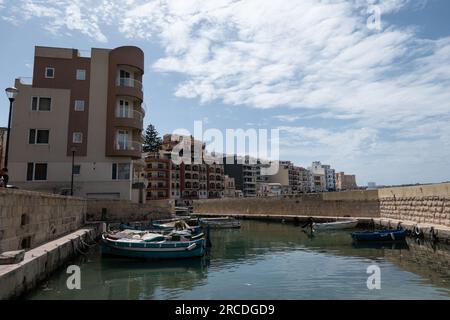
(152, 140)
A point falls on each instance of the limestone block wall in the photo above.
(421, 204)
(127, 211)
(353, 204)
(28, 219)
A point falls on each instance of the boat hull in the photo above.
(188, 249)
(380, 236)
(340, 225)
(220, 223)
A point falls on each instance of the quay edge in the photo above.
(42, 261)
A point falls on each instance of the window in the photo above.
(79, 105)
(49, 72)
(76, 169)
(41, 104)
(77, 137)
(121, 171)
(124, 109)
(38, 136)
(81, 74)
(125, 78)
(36, 171)
(122, 140)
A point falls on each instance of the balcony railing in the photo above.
(128, 146)
(129, 82)
(130, 114)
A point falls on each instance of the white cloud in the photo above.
(79, 15)
(317, 58)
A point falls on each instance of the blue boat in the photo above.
(153, 246)
(382, 235)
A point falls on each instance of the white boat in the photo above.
(221, 223)
(336, 225)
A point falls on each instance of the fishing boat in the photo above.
(178, 224)
(137, 244)
(336, 225)
(382, 235)
(220, 223)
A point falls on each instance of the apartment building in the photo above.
(89, 109)
(345, 181)
(293, 179)
(269, 189)
(3, 135)
(190, 180)
(246, 173)
(229, 187)
(325, 175)
(216, 177)
(158, 176)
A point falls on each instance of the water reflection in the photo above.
(265, 261)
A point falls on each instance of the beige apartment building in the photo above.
(88, 108)
(345, 181)
(293, 179)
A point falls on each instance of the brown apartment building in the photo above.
(87, 107)
(186, 181)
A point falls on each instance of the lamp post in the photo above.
(11, 93)
(73, 149)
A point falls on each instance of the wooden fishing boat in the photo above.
(382, 235)
(179, 224)
(220, 223)
(336, 225)
(152, 246)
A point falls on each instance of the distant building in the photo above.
(294, 179)
(270, 189)
(158, 176)
(246, 173)
(372, 185)
(194, 179)
(345, 181)
(3, 135)
(229, 187)
(325, 175)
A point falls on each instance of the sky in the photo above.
(374, 102)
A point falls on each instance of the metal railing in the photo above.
(129, 82)
(128, 146)
(129, 114)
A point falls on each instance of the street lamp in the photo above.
(73, 150)
(11, 93)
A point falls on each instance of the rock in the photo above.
(12, 257)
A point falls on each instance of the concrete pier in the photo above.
(40, 262)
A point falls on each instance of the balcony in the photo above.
(129, 87)
(128, 148)
(130, 119)
(129, 82)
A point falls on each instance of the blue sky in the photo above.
(375, 103)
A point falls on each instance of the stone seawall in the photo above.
(28, 219)
(425, 204)
(353, 204)
(421, 204)
(127, 211)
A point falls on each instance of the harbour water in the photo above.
(264, 261)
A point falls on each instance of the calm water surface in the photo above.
(264, 261)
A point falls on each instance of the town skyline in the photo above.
(404, 140)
